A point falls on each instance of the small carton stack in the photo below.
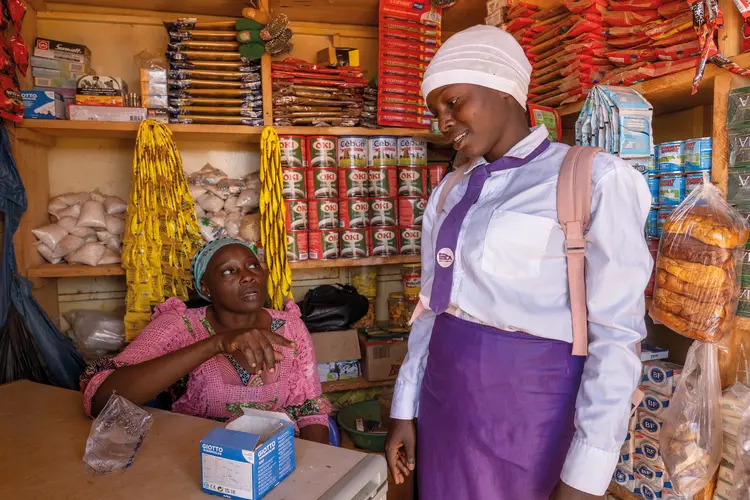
(496, 10)
(337, 354)
(104, 99)
(153, 80)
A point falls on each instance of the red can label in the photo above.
(383, 181)
(355, 243)
(383, 212)
(323, 183)
(384, 241)
(296, 246)
(411, 240)
(294, 185)
(411, 211)
(322, 151)
(437, 172)
(323, 214)
(293, 153)
(324, 245)
(353, 183)
(412, 181)
(296, 215)
(354, 213)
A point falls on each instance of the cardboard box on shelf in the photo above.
(43, 105)
(382, 355)
(106, 113)
(341, 345)
(62, 51)
(338, 370)
(100, 85)
(56, 64)
(338, 56)
(100, 100)
(661, 376)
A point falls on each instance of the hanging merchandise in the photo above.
(273, 230)
(31, 347)
(161, 230)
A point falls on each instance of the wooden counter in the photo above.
(43, 433)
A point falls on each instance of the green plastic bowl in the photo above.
(366, 410)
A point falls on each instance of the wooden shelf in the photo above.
(78, 271)
(352, 384)
(31, 129)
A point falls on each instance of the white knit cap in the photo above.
(482, 55)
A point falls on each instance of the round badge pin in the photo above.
(445, 257)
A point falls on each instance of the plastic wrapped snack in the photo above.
(93, 215)
(50, 235)
(697, 278)
(691, 437)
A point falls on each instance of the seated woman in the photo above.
(219, 359)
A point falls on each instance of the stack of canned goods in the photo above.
(355, 196)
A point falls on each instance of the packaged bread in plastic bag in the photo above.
(698, 266)
(691, 437)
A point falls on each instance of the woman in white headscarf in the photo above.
(506, 411)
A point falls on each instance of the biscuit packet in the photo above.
(698, 266)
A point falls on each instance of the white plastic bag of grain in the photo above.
(114, 205)
(70, 225)
(196, 191)
(109, 257)
(210, 231)
(232, 224)
(50, 235)
(199, 212)
(96, 195)
(70, 199)
(115, 225)
(232, 186)
(214, 190)
(250, 228)
(47, 253)
(93, 215)
(72, 211)
(89, 254)
(248, 200)
(209, 175)
(111, 241)
(67, 246)
(55, 205)
(219, 218)
(210, 203)
(91, 239)
(230, 206)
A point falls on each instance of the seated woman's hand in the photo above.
(253, 348)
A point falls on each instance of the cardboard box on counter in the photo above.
(341, 345)
(62, 51)
(338, 370)
(43, 105)
(382, 355)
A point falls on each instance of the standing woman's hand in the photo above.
(400, 447)
(253, 348)
(564, 492)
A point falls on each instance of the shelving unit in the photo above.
(352, 384)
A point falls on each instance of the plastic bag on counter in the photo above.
(697, 281)
(96, 333)
(691, 437)
(116, 435)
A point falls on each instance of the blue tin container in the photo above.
(693, 180)
(653, 185)
(661, 218)
(698, 154)
(671, 189)
(671, 157)
(651, 224)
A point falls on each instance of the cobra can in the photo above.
(661, 218)
(324, 245)
(383, 181)
(693, 180)
(353, 183)
(355, 243)
(296, 246)
(671, 189)
(354, 213)
(412, 181)
(412, 152)
(322, 150)
(383, 212)
(293, 151)
(323, 214)
(296, 215)
(352, 151)
(671, 157)
(437, 172)
(411, 211)
(293, 184)
(698, 154)
(653, 185)
(323, 182)
(411, 278)
(410, 240)
(651, 221)
(382, 151)
(384, 241)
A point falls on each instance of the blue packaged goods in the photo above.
(661, 376)
(661, 218)
(652, 224)
(651, 353)
(648, 424)
(693, 180)
(698, 154)
(654, 403)
(671, 189)
(644, 165)
(647, 450)
(624, 478)
(249, 458)
(653, 186)
(671, 157)
(43, 105)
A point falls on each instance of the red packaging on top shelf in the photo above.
(410, 46)
(408, 35)
(586, 6)
(673, 9)
(631, 5)
(670, 27)
(631, 56)
(679, 51)
(629, 18)
(517, 24)
(521, 9)
(681, 37)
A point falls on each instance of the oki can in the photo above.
(354, 213)
(671, 189)
(323, 183)
(324, 245)
(296, 215)
(296, 246)
(411, 211)
(294, 186)
(322, 150)
(382, 151)
(412, 181)
(323, 214)
(293, 151)
(698, 154)
(383, 181)
(437, 172)
(355, 243)
(384, 241)
(411, 240)
(671, 157)
(412, 152)
(352, 151)
(353, 183)
(383, 212)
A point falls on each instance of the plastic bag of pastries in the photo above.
(698, 266)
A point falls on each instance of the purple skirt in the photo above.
(496, 413)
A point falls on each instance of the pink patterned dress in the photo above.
(220, 388)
